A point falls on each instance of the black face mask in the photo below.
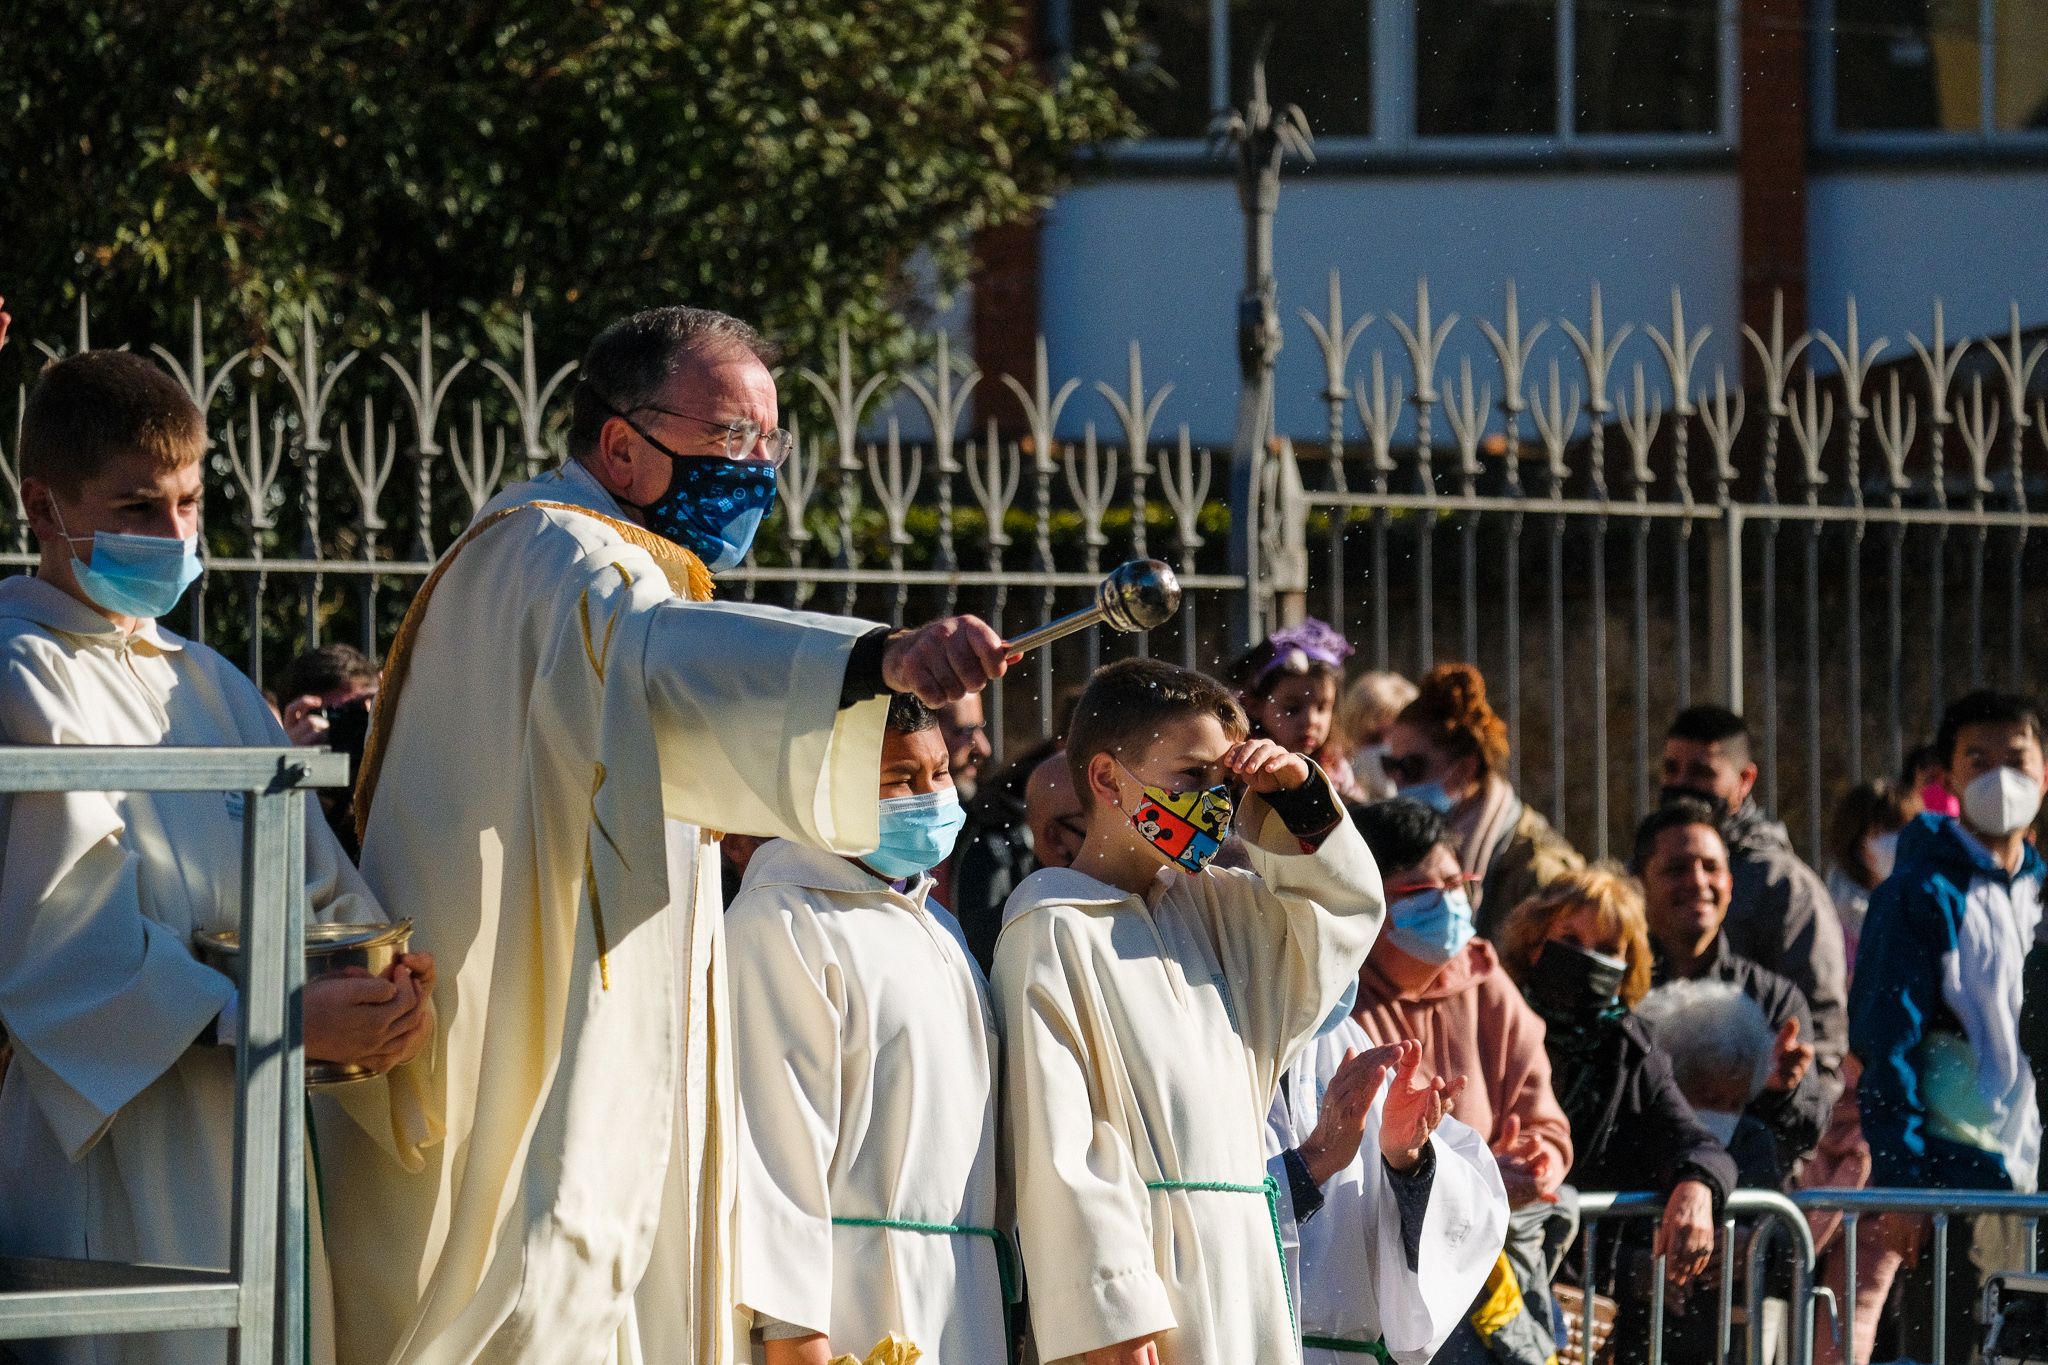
(1669, 793)
(1571, 985)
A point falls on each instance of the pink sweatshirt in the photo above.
(1472, 1021)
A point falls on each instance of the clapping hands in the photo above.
(1416, 1104)
(1527, 1168)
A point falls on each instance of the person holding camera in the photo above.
(325, 697)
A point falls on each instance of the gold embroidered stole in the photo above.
(686, 575)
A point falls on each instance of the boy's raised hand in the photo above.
(1416, 1104)
(1340, 1123)
(1264, 766)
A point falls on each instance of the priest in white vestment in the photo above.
(117, 1113)
(866, 1057)
(1383, 1263)
(1148, 1002)
(565, 726)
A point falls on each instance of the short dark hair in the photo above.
(1711, 724)
(908, 715)
(630, 360)
(1918, 757)
(1680, 812)
(1400, 832)
(326, 669)
(1982, 708)
(1125, 702)
(96, 406)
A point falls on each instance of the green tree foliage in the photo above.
(575, 159)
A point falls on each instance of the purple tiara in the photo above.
(1295, 647)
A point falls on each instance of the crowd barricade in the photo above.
(1774, 1220)
(1940, 1207)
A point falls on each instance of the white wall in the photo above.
(1899, 238)
(1162, 260)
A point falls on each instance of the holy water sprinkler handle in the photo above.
(1136, 596)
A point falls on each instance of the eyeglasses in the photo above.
(743, 438)
(1407, 770)
(1401, 889)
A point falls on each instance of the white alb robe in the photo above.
(117, 1125)
(1347, 1264)
(866, 1058)
(570, 732)
(1142, 1040)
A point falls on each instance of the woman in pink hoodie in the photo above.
(1429, 978)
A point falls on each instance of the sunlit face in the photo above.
(1184, 755)
(1982, 748)
(1297, 712)
(915, 764)
(1687, 886)
(130, 495)
(714, 391)
(1709, 769)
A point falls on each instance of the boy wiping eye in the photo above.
(1149, 1001)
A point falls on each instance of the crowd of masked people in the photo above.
(1713, 1014)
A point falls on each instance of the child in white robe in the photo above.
(1385, 1261)
(1149, 1002)
(865, 1062)
(117, 1112)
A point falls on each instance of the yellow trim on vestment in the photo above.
(686, 575)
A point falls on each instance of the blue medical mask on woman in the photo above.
(130, 575)
(917, 833)
(1431, 794)
(1431, 925)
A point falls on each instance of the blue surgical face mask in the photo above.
(129, 575)
(1431, 794)
(917, 833)
(1343, 1009)
(1431, 926)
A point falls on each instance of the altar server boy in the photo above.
(117, 1115)
(865, 1054)
(1149, 1002)
(1394, 1212)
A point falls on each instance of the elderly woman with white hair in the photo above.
(1722, 1051)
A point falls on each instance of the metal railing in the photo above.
(1609, 531)
(261, 1298)
(1774, 1214)
(1838, 581)
(1781, 1221)
(1939, 1206)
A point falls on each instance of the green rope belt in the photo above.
(1006, 1262)
(1270, 1189)
(1346, 1346)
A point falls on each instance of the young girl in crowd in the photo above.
(1288, 684)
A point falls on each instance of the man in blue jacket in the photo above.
(1947, 1094)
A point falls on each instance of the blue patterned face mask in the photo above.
(1431, 794)
(713, 505)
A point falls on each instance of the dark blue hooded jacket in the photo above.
(1895, 1001)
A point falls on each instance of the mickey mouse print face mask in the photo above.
(1188, 827)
